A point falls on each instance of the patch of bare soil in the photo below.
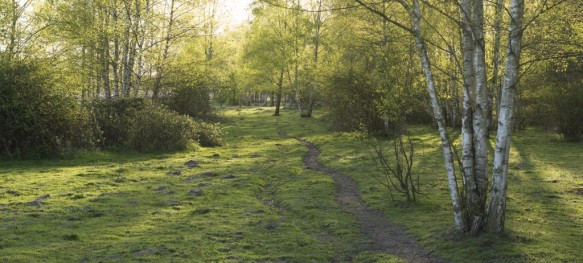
(386, 235)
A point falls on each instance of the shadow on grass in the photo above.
(544, 214)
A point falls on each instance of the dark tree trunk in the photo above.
(279, 93)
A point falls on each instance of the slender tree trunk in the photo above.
(140, 48)
(279, 93)
(104, 55)
(115, 66)
(469, 181)
(495, 86)
(115, 62)
(126, 69)
(454, 105)
(133, 33)
(168, 38)
(210, 32)
(298, 98)
(475, 117)
(480, 120)
(497, 208)
(318, 22)
(438, 115)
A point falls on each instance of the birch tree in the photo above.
(469, 202)
(497, 208)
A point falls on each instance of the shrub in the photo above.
(190, 95)
(569, 110)
(117, 120)
(38, 121)
(159, 129)
(352, 103)
(396, 172)
(145, 126)
(192, 100)
(553, 99)
(208, 135)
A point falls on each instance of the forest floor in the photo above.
(264, 197)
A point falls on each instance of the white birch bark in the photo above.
(481, 106)
(497, 207)
(445, 143)
(469, 94)
(480, 120)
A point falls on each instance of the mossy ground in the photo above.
(260, 204)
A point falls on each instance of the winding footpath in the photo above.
(386, 236)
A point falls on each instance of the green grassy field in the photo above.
(254, 201)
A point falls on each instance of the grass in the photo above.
(545, 209)
(260, 204)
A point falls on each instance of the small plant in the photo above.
(397, 171)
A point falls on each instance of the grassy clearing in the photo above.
(249, 201)
(253, 201)
(545, 207)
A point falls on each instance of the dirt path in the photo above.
(387, 236)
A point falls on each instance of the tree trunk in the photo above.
(127, 43)
(453, 106)
(140, 46)
(470, 188)
(210, 31)
(318, 22)
(115, 61)
(495, 86)
(497, 208)
(279, 93)
(168, 38)
(475, 116)
(415, 14)
(480, 120)
(104, 57)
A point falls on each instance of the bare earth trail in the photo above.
(386, 236)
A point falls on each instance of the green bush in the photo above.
(38, 121)
(569, 110)
(352, 102)
(144, 126)
(159, 129)
(190, 95)
(553, 98)
(192, 100)
(117, 120)
(208, 134)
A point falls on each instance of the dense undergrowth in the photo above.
(252, 200)
(41, 117)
